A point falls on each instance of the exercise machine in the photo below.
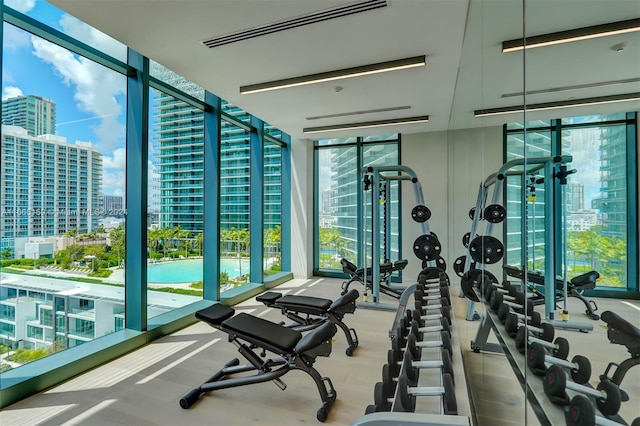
(364, 276)
(308, 313)
(294, 351)
(377, 179)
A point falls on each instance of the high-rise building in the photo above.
(344, 195)
(574, 194)
(612, 202)
(49, 186)
(34, 113)
(179, 141)
(112, 205)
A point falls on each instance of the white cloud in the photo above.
(113, 180)
(11, 92)
(97, 39)
(23, 6)
(116, 161)
(14, 38)
(95, 90)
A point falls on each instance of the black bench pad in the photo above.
(269, 298)
(304, 304)
(215, 314)
(616, 322)
(260, 330)
(350, 297)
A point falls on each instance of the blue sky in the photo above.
(90, 99)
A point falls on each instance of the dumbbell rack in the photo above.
(546, 411)
(429, 376)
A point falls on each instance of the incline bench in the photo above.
(364, 276)
(317, 311)
(575, 287)
(295, 352)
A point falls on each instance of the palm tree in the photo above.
(199, 242)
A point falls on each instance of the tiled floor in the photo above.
(143, 388)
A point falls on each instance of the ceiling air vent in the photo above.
(287, 24)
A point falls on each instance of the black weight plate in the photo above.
(561, 350)
(466, 283)
(458, 265)
(431, 273)
(427, 247)
(495, 213)
(465, 239)
(420, 213)
(582, 373)
(406, 401)
(450, 405)
(472, 213)
(474, 278)
(486, 249)
(440, 264)
(610, 405)
(555, 381)
(582, 411)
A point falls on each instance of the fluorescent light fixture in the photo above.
(367, 124)
(400, 64)
(601, 100)
(586, 33)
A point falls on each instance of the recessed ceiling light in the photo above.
(586, 33)
(395, 65)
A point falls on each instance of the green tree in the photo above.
(589, 244)
(5, 253)
(199, 242)
(116, 236)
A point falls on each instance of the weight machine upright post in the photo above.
(375, 238)
(480, 201)
(387, 220)
(550, 249)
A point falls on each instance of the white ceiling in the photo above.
(462, 39)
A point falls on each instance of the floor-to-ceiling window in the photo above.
(62, 172)
(272, 203)
(343, 208)
(595, 205)
(78, 109)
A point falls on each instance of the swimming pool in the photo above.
(184, 271)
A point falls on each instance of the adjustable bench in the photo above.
(295, 352)
(575, 287)
(621, 332)
(365, 275)
(317, 311)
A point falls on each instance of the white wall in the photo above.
(426, 155)
(301, 208)
(450, 166)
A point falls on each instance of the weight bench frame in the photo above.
(621, 332)
(358, 275)
(295, 352)
(316, 311)
(575, 286)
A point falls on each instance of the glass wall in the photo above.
(594, 202)
(272, 208)
(75, 117)
(62, 225)
(235, 206)
(175, 201)
(341, 203)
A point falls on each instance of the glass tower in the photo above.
(34, 113)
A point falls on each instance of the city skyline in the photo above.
(90, 98)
